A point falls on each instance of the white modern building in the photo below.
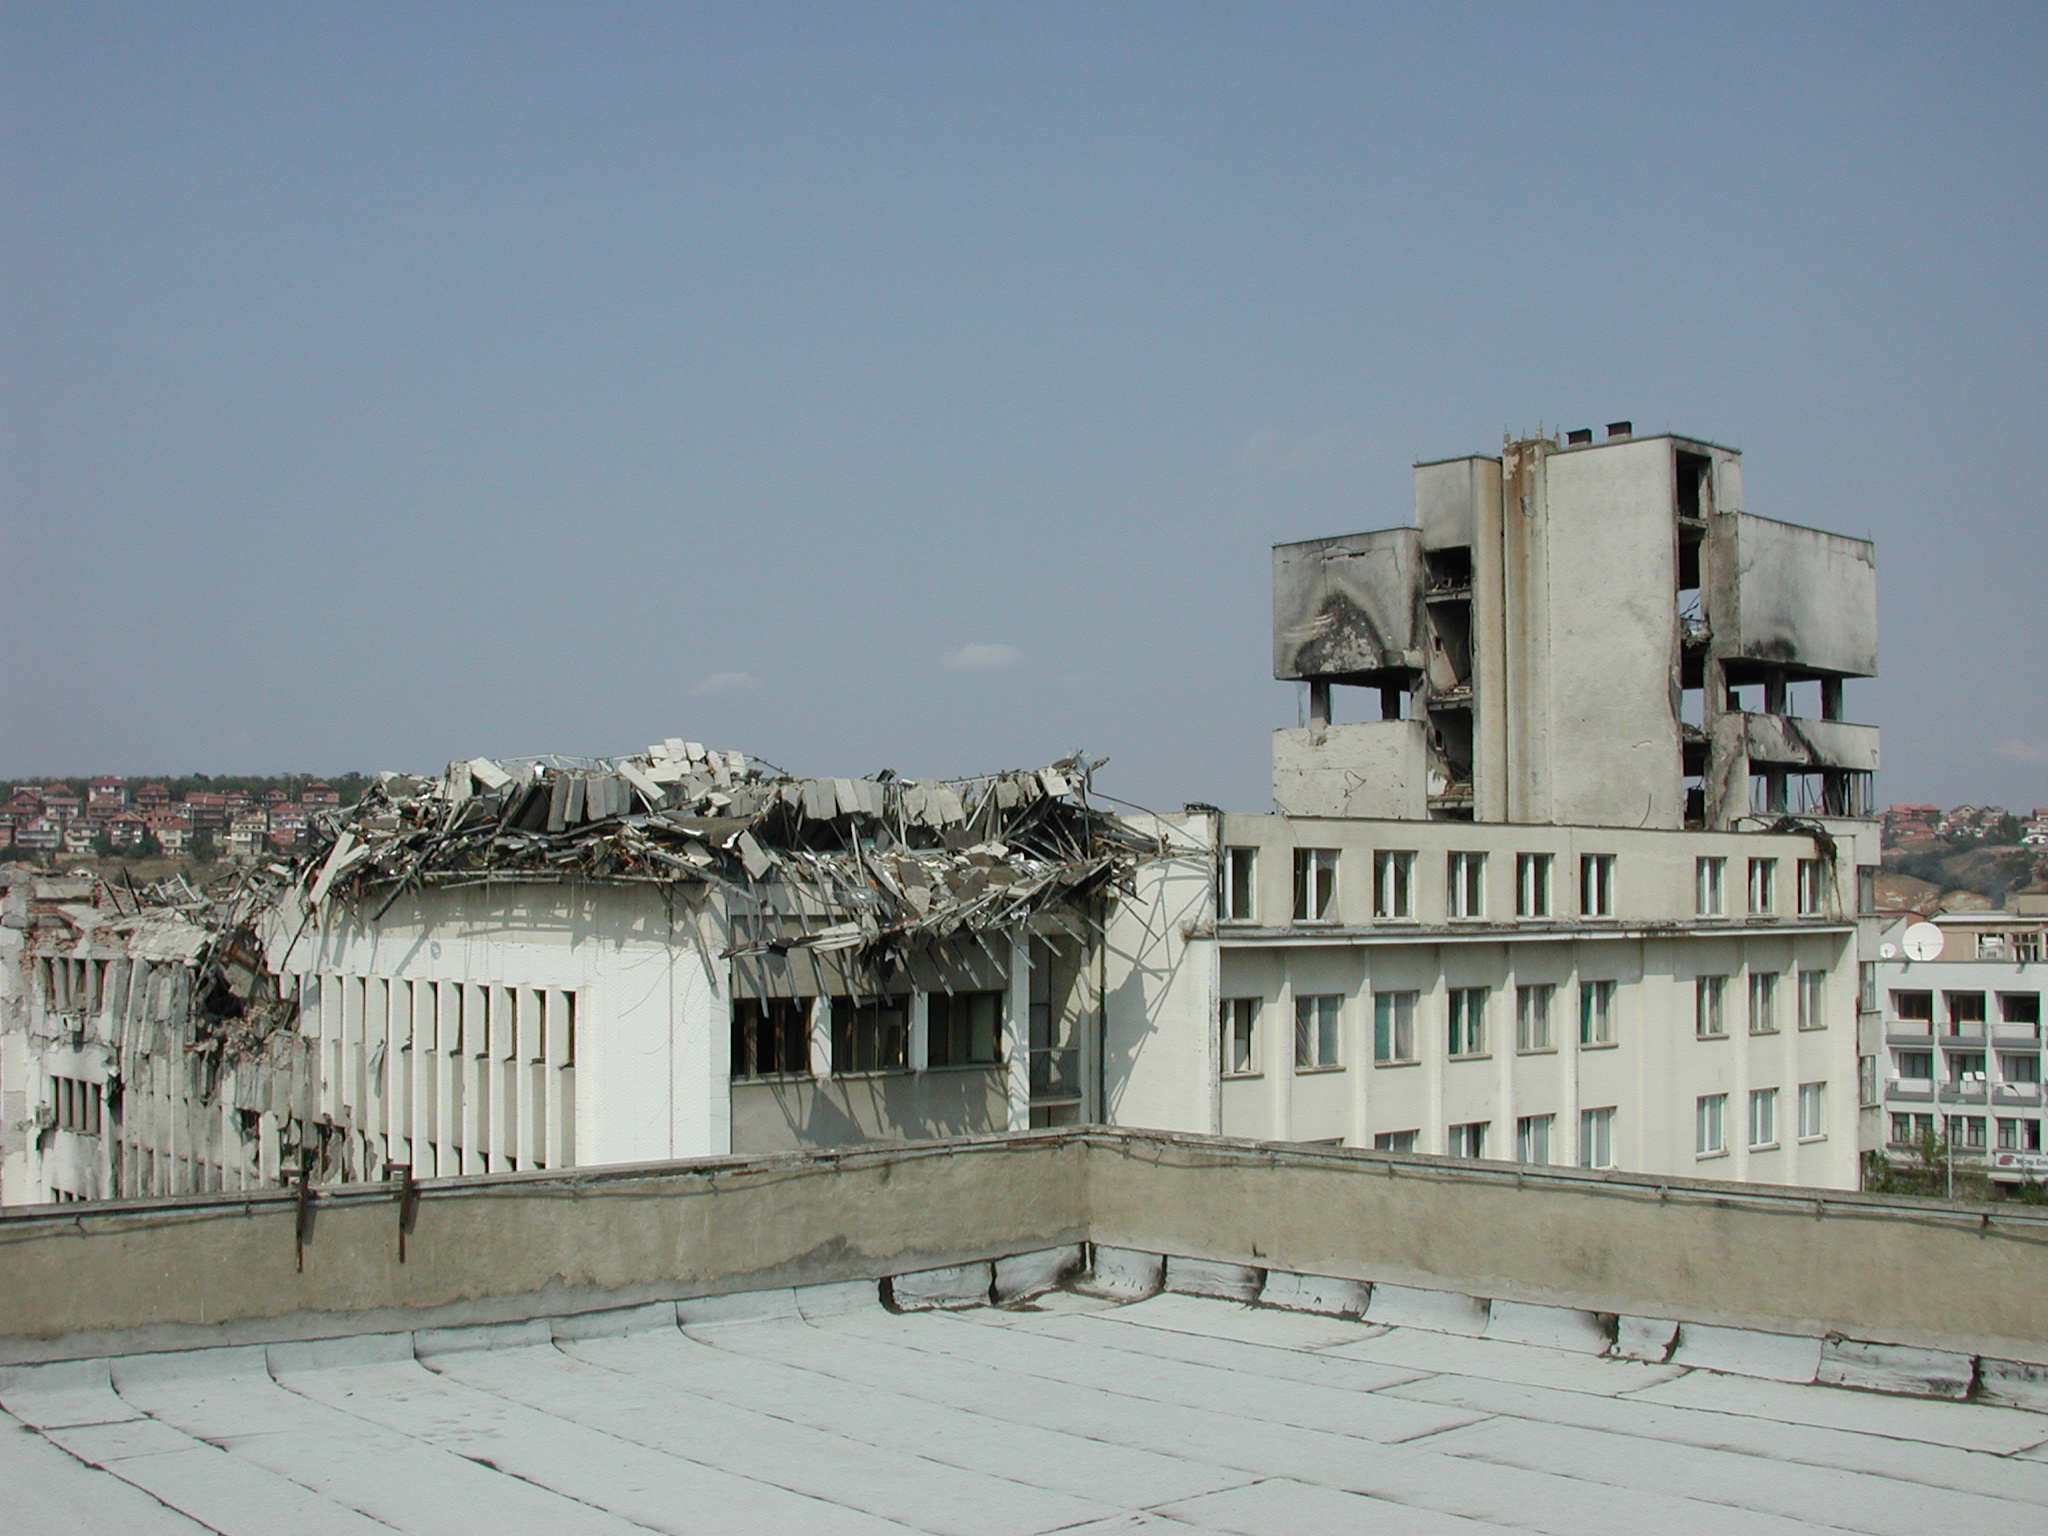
(1961, 1001)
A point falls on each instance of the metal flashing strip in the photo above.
(1522, 933)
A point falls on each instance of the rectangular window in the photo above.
(1710, 1134)
(1813, 1012)
(1812, 1111)
(1596, 1138)
(1763, 887)
(2022, 1009)
(1240, 884)
(1394, 1141)
(1532, 1016)
(1315, 885)
(1763, 1002)
(771, 1036)
(1913, 1007)
(79, 1104)
(963, 1030)
(1596, 885)
(1393, 883)
(2020, 1069)
(1467, 1140)
(1709, 995)
(870, 1035)
(1813, 890)
(1763, 1119)
(1866, 1080)
(1468, 1022)
(2019, 1135)
(1866, 890)
(1466, 881)
(1866, 986)
(1966, 1132)
(1596, 1015)
(1907, 1129)
(1965, 1011)
(1708, 878)
(1393, 1026)
(1532, 884)
(1965, 1068)
(1239, 1020)
(1532, 1138)
(1315, 1032)
(1914, 1064)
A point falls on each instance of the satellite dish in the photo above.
(1887, 951)
(1923, 941)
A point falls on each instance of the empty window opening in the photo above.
(964, 1029)
(1532, 1138)
(1532, 884)
(1596, 1013)
(1394, 1141)
(1450, 570)
(771, 1036)
(1709, 1004)
(1393, 1027)
(1695, 485)
(870, 1036)
(2021, 1009)
(1240, 884)
(1596, 884)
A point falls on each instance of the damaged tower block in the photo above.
(1589, 634)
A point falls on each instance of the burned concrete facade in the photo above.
(1579, 634)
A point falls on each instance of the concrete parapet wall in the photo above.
(221, 1270)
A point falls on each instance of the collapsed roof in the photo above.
(891, 864)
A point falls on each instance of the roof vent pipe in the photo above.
(1620, 429)
(1579, 438)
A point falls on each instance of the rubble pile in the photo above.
(899, 863)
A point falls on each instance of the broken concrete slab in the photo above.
(1209, 1277)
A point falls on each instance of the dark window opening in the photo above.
(964, 1030)
(870, 1036)
(1450, 570)
(1695, 488)
(770, 1036)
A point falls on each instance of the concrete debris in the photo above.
(898, 864)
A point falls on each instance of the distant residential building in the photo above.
(81, 837)
(106, 797)
(172, 833)
(206, 811)
(318, 793)
(152, 797)
(39, 834)
(1902, 823)
(125, 829)
(60, 806)
(247, 834)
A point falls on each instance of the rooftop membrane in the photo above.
(822, 1409)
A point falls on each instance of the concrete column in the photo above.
(448, 1075)
(1831, 698)
(474, 1067)
(1017, 1033)
(1276, 1055)
(1318, 705)
(920, 1030)
(821, 1037)
(424, 1039)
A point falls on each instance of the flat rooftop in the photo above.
(819, 1409)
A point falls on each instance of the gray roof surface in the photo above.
(820, 1412)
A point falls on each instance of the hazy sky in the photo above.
(921, 386)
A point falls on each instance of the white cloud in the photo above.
(2024, 751)
(982, 658)
(727, 682)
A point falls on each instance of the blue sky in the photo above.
(921, 386)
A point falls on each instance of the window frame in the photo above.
(1596, 885)
(1710, 1125)
(1318, 1032)
(1395, 1141)
(1763, 1119)
(1393, 885)
(870, 1011)
(1393, 1023)
(1315, 885)
(1239, 897)
(1237, 1017)
(1763, 1002)
(953, 1029)
(1598, 1013)
(1813, 1112)
(1812, 892)
(1596, 1137)
(1465, 885)
(750, 1019)
(1533, 879)
(1710, 886)
(1710, 1006)
(1528, 1130)
(1763, 887)
(1467, 1139)
(1543, 994)
(1812, 1011)
(1465, 1023)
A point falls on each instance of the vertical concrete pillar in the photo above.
(1017, 1033)
(821, 1037)
(920, 1030)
